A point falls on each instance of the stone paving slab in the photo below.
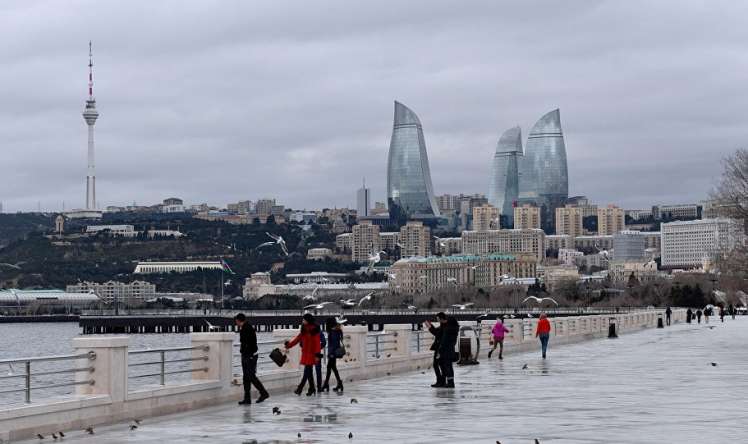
(653, 386)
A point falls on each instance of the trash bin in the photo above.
(660, 324)
(468, 346)
(612, 328)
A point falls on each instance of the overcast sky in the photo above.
(224, 101)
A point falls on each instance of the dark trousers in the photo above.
(318, 372)
(667, 319)
(249, 376)
(332, 367)
(438, 370)
(445, 365)
(308, 377)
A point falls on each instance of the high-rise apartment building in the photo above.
(503, 190)
(690, 244)
(363, 203)
(448, 203)
(485, 217)
(526, 216)
(365, 241)
(610, 220)
(544, 177)
(569, 221)
(410, 192)
(264, 207)
(531, 241)
(415, 240)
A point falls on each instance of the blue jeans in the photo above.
(544, 337)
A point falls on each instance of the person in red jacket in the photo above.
(543, 332)
(311, 351)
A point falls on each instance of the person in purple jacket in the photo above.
(498, 337)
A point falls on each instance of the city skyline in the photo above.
(190, 116)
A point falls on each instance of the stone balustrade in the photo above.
(213, 381)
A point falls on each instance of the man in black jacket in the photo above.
(248, 338)
(436, 332)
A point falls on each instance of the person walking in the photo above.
(689, 315)
(543, 332)
(668, 314)
(698, 315)
(437, 333)
(707, 313)
(249, 354)
(311, 347)
(498, 337)
(318, 365)
(335, 351)
(721, 313)
(732, 311)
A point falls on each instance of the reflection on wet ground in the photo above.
(654, 386)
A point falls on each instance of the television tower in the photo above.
(90, 115)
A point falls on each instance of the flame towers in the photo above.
(90, 114)
(410, 193)
(503, 189)
(544, 177)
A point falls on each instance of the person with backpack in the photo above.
(497, 339)
(335, 351)
(311, 348)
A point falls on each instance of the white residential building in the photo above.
(688, 244)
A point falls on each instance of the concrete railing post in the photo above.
(357, 349)
(294, 355)
(402, 338)
(110, 366)
(219, 348)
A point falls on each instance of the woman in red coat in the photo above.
(311, 351)
(543, 332)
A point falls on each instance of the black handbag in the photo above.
(278, 357)
(340, 351)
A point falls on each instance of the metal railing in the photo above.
(421, 341)
(163, 361)
(29, 376)
(379, 342)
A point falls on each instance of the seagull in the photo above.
(365, 298)
(137, 421)
(211, 327)
(54, 436)
(462, 306)
(279, 240)
(375, 259)
(412, 307)
(452, 279)
(484, 315)
(524, 367)
(539, 300)
(276, 411)
(474, 267)
(89, 430)
(350, 435)
(440, 242)
(392, 276)
(319, 306)
(62, 435)
(341, 321)
(133, 427)
(14, 266)
(40, 436)
(354, 401)
(347, 303)
(714, 364)
(529, 315)
(311, 297)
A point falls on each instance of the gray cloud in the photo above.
(240, 100)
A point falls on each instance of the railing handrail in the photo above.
(169, 349)
(89, 355)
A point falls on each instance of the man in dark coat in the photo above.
(449, 330)
(436, 332)
(249, 352)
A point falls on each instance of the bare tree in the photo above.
(731, 194)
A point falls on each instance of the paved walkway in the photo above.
(654, 386)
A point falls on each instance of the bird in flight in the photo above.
(452, 280)
(375, 259)
(278, 240)
(319, 306)
(462, 306)
(311, 297)
(365, 298)
(539, 300)
(347, 303)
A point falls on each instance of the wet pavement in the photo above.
(653, 386)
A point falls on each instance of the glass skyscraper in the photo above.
(543, 176)
(503, 189)
(410, 193)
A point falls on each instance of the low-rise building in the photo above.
(424, 274)
(676, 212)
(515, 241)
(447, 246)
(177, 267)
(622, 272)
(594, 242)
(344, 242)
(126, 293)
(555, 276)
(114, 230)
(316, 277)
(629, 245)
(556, 242)
(318, 254)
(568, 256)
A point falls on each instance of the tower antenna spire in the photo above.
(90, 70)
